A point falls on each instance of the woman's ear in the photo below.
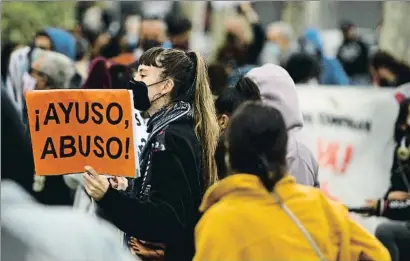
(223, 121)
(168, 86)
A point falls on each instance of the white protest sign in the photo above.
(140, 136)
(350, 131)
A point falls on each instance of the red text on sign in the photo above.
(334, 156)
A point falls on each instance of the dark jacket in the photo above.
(255, 47)
(162, 205)
(400, 172)
(55, 191)
(354, 57)
(396, 209)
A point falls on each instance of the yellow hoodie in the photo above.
(243, 221)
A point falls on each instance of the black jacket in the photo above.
(163, 204)
(354, 57)
(18, 161)
(396, 209)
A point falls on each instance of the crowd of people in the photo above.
(222, 173)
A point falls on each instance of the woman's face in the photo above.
(151, 76)
(40, 78)
(42, 42)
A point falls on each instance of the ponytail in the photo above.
(248, 89)
(206, 125)
(231, 98)
(271, 173)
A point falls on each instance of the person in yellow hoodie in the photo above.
(259, 212)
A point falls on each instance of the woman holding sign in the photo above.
(177, 163)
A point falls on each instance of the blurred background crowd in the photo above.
(95, 45)
(323, 42)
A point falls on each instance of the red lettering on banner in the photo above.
(328, 156)
(325, 189)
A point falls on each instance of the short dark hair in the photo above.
(383, 59)
(178, 26)
(302, 67)
(257, 140)
(231, 98)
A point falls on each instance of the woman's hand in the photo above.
(151, 251)
(96, 185)
(119, 183)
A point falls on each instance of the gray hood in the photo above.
(278, 89)
(35, 232)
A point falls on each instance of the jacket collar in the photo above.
(244, 185)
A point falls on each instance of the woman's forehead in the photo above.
(149, 69)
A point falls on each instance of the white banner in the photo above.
(351, 132)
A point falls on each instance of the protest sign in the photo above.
(140, 136)
(350, 130)
(71, 129)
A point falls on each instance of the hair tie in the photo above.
(192, 56)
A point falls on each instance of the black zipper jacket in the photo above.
(162, 205)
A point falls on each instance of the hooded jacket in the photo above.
(98, 75)
(62, 41)
(278, 90)
(20, 61)
(243, 221)
(332, 72)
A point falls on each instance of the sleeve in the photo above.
(303, 165)
(395, 209)
(356, 243)
(339, 74)
(161, 217)
(255, 48)
(396, 182)
(364, 246)
(339, 56)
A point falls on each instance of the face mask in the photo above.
(132, 41)
(140, 92)
(148, 44)
(29, 82)
(273, 49)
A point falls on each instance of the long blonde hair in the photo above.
(180, 66)
(206, 127)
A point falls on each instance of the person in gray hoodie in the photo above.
(278, 90)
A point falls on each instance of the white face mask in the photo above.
(274, 49)
(29, 82)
